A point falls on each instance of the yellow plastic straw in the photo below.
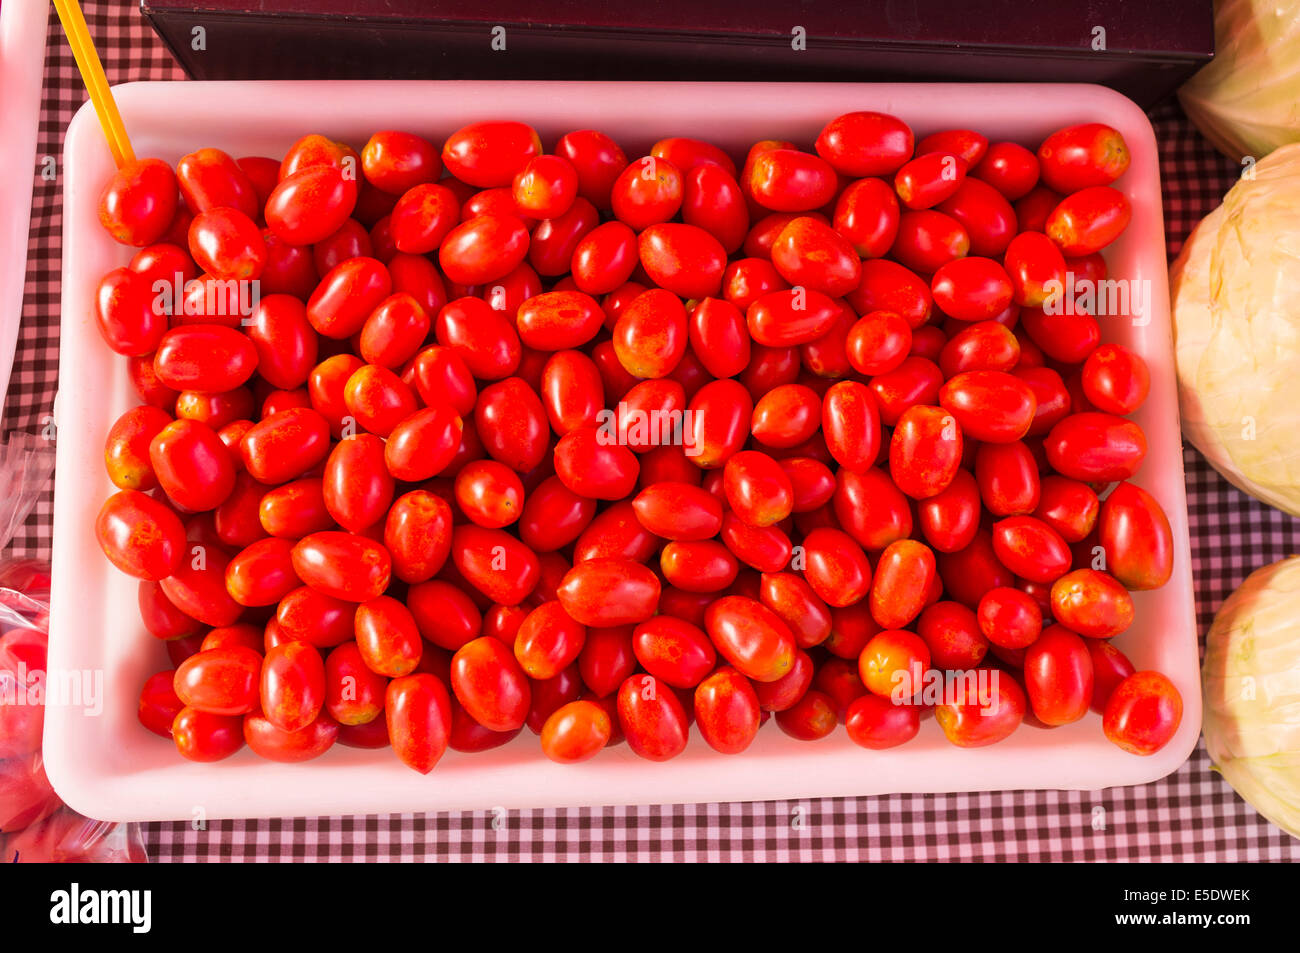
(92, 74)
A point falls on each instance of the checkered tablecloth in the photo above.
(1191, 815)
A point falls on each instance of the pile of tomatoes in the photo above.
(608, 448)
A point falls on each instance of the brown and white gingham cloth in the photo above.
(1191, 815)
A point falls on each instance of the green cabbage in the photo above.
(1235, 293)
(1251, 679)
(1247, 100)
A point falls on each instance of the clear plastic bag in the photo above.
(35, 826)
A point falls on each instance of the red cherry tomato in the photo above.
(721, 412)
(727, 711)
(139, 202)
(652, 718)
(811, 718)
(417, 709)
(597, 160)
(647, 192)
(1110, 667)
(193, 466)
(1079, 157)
(787, 180)
(576, 732)
(347, 295)
(674, 651)
(757, 489)
(893, 663)
(221, 681)
(1068, 506)
(925, 451)
(985, 213)
(867, 214)
(125, 313)
(865, 143)
(952, 633)
(678, 511)
(1088, 220)
(1058, 676)
(608, 591)
(227, 244)
(1068, 338)
(423, 218)
(928, 239)
(262, 573)
(1092, 603)
(423, 444)
(1009, 617)
(354, 695)
(713, 200)
(1115, 379)
(347, 567)
(141, 536)
(292, 685)
(1009, 167)
(484, 249)
(1143, 713)
(201, 736)
(878, 723)
(490, 684)
(1096, 447)
(311, 204)
(903, 577)
(273, 743)
(878, 343)
(1008, 478)
(972, 289)
(545, 187)
(209, 178)
(548, 641)
(990, 406)
(683, 259)
(1035, 265)
(966, 143)
(489, 154)
(851, 424)
(555, 240)
(751, 637)
(650, 335)
(604, 258)
(837, 568)
(928, 179)
(395, 161)
(1135, 534)
(485, 339)
(969, 721)
(809, 253)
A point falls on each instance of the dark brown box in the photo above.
(1142, 49)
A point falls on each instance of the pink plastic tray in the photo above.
(109, 767)
(22, 57)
